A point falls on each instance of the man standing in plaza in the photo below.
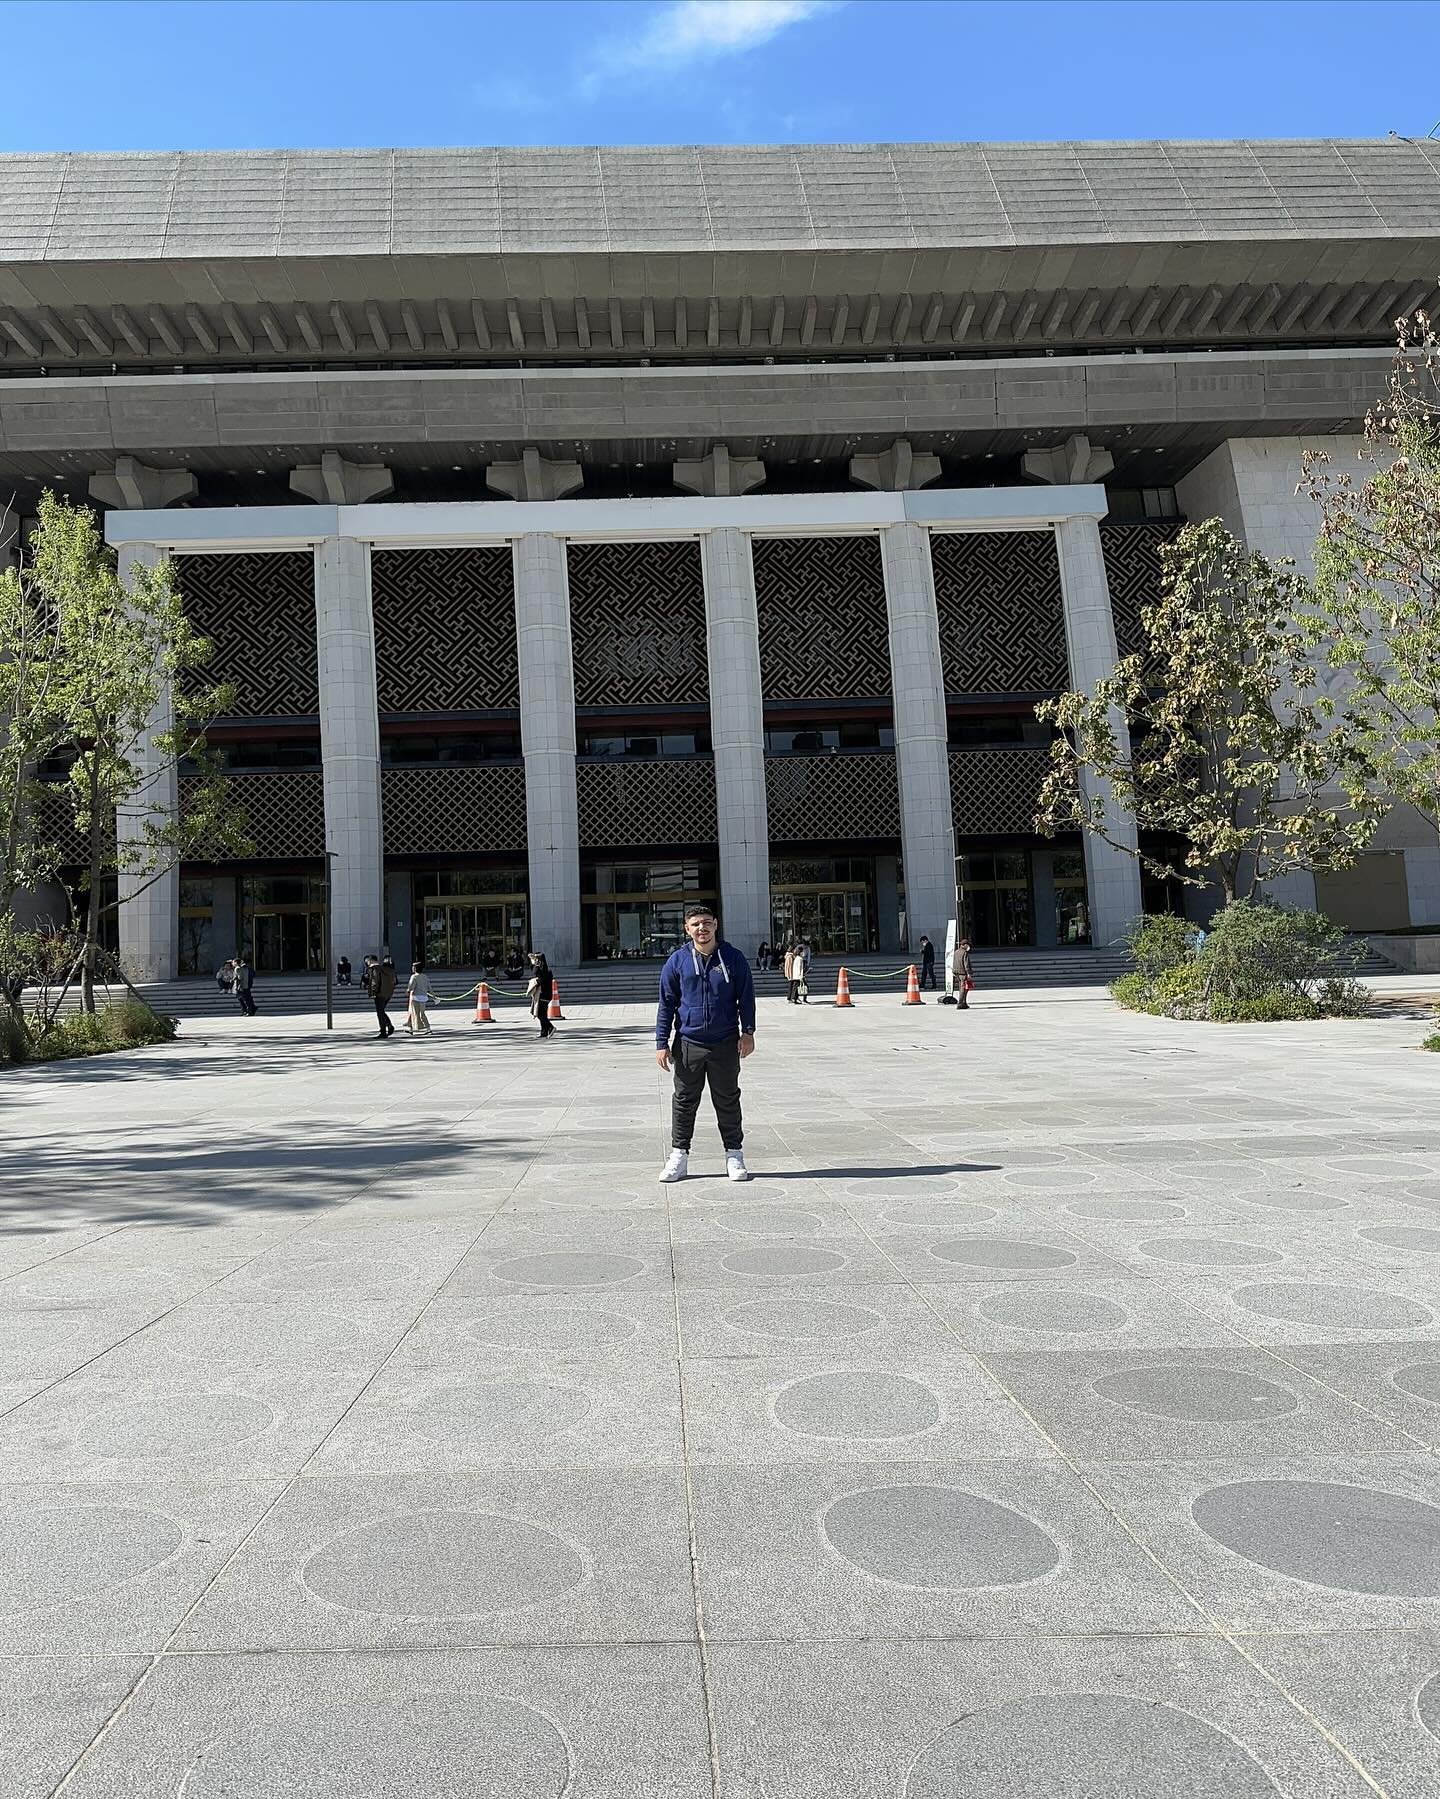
(382, 990)
(704, 1027)
(927, 962)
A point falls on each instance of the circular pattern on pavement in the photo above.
(858, 1403)
(1333, 1308)
(920, 1214)
(1099, 1745)
(337, 1274)
(1355, 1539)
(1427, 1706)
(254, 1332)
(54, 1554)
(442, 1565)
(1002, 1252)
(1143, 1209)
(1421, 1380)
(771, 1221)
(783, 1261)
(175, 1424)
(1381, 1168)
(1074, 1313)
(1051, 1180)
(941, 1538)
(78, 1282)
(802, 1320)
(1296, 1199)
(479, 1744)
(1209, 1252)
(551, 1330)
(569, 1268)
(906, 1186)
(1404, 1236)
(1197, 1395)
(500, 1412)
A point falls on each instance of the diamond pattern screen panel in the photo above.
(832, 797)
(56, 828)
(453, 811)
(1133, 570)
(637, 624)
(284, 814)
(634, 805)
(995, 792)
(824, 632)
(1002, 620)
(445, 629)
(259, 612)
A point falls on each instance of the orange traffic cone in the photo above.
(555, 1011)
(912, 987)
(483, 1014)
(842, 988)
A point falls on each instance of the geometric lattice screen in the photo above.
(1132, 567)
(453, 811)
(995, 791)
(1002, 623)
(636, 805)
(445, 629)
(259, 611)
(284, 814)
(840, 796)
(824, 631)
(637, 624)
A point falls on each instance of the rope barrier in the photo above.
(888, 974)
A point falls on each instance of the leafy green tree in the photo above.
(124, 695)
(32, 724)
(1236, 752)
(1375, 617)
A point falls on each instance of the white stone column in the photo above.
(350, 747)
(737, 731)
(149, 916)
(547, 741)
(922, 755)
(1112, 874)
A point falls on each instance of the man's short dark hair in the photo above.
(698, 910)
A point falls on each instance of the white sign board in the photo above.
(950, 936)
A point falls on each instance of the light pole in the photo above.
(329, 971)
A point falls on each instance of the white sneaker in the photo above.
(735, 1169)
(677, 1167)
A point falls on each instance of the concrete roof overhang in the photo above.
(536, 256)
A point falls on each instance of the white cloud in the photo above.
(685, 32)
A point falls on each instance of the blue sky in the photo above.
(227, 74)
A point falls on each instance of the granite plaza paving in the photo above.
(1055, 1415)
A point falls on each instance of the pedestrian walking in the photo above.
(804, 947)
(794, 966)
(927, 962)
(964, 974)
(417, 1021)
(704, 1028)
(381, 981)
(541, 990)
(242, 983)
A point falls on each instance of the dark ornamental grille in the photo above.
(56, 829)
(1002, 621)
(259, 611)
(1132, 567)
(453, 811)
(994, 792)
(839, 796)
(824, 633)
(445, 629)
(637, 623)
(284, 814)
(637, 804)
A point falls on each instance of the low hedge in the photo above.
(129, 1024)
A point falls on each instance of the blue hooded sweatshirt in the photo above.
(714, 996)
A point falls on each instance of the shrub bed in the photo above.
(129, 1024)
(1257, 964)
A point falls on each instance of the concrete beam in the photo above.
(1075, 462)
(719, 474)
(896, 470)
(535, 477)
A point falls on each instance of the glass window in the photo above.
(1012, 865)
(642, 746)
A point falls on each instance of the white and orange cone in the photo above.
(912, 987)
(842, 988)
(483, 1014)
(555, 1011)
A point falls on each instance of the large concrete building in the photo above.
(586, 530)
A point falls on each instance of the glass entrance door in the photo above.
(462, 933)
(834, 921)
(287, 939)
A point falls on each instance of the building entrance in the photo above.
(284, 923)
(834, 921)
(461, 933)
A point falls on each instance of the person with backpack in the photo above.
(382, 983)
